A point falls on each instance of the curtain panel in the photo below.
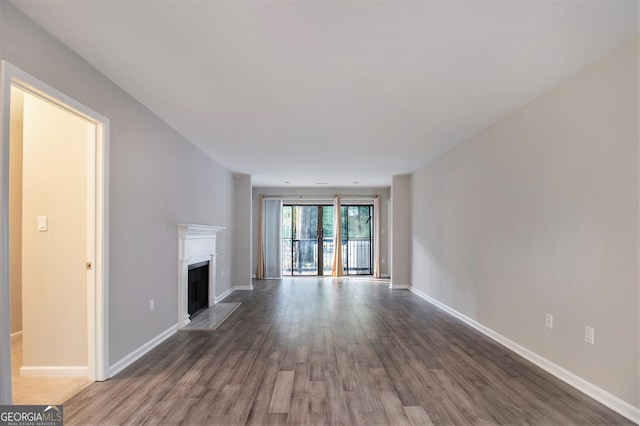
(260, 266)
(337, 270)
(376, 237)
(273, 238)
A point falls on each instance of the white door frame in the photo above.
(97, 242)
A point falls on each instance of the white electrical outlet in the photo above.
(548, 322)
(152, 305)
(589, 335)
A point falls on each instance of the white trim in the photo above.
(141, 351)
(97, 307)
(91, 234)
(101, 264)
(16, 336)
(393, 286)
(54, 371)
(385, 276)
(5, 305)
(193, 231)
(217, 299)
(613, 402)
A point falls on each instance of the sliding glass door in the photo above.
(308, 244)
(357, 247)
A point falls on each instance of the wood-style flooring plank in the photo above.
(317, 397)
(323, 351)
(281, 398)
(298, 412)
(394, 409)
(418, 416)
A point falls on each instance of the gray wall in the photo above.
(242, 259)
(157, 180)
(539, 214)
(401, 231)
(324, 192)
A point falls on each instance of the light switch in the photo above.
(42, 223)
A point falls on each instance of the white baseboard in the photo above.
(394, 286)
(141, 351)
(385, 276)
(54, 371)
(16, 336)
(616, 404)
(217, 299)
(243, 287)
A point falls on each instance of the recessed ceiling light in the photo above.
(355, 183)
(322, 183)
(287, 181)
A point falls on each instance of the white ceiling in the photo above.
(329, 91)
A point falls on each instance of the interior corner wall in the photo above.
(401, 231)
(242, 259)
(539, 214)
(384, 194)
(156, 179)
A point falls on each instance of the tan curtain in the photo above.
(337, 270)
(376, 237)
(260, 268)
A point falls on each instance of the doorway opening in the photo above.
(308, 239)
(48, 225)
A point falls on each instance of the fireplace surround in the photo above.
(196, 244)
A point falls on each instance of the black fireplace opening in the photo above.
(198, 288)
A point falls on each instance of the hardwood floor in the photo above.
(338, 352)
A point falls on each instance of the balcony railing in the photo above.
(302, 256)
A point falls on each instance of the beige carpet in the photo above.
(40, 390)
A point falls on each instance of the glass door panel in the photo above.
(327, 239)
(287, 240)
(356, 239)
(300, 240)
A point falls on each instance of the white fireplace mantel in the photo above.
(196, 243)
